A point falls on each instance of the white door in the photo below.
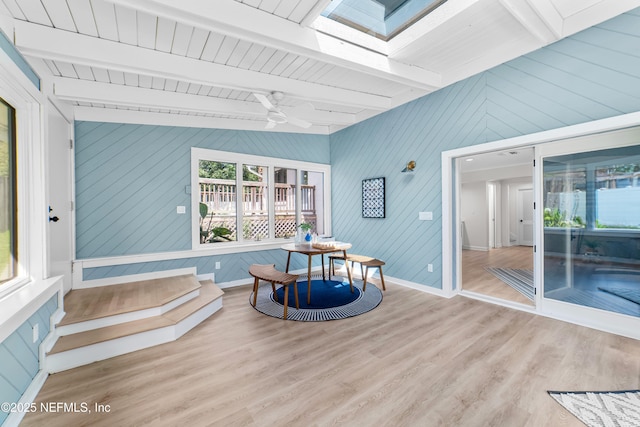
(492, 215)
(525, 217)
(59, 185)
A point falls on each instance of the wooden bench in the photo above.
(364, 261)
(268, 273)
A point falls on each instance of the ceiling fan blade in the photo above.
(270, 124)
(264, 101)
(298, 122)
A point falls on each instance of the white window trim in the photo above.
(21, 297)
(198, 154)
(17, 91)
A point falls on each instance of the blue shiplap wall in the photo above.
(233, 266)
(592, 75)
(19, 357)
(130, 178)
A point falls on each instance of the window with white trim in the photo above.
(240, 199)
(8, 208)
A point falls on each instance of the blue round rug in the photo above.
(330, 300)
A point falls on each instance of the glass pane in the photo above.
(255, 202)
(7, 193)
(312, 193)
(217, 201)
(285, 202)
(592, 229)
(618, 196)
(379, 18)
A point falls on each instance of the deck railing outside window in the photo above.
(220, 196)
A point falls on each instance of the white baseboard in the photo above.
(418, 287)
(356, 274)
(475, 248)
(15, 418)
(83, 284)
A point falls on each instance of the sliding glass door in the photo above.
(591, 222)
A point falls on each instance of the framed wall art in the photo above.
(373, 198)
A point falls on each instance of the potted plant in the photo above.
(218, 234)
(306, 231)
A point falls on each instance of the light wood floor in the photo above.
(94, 303)
(415, 360)
(475, 278)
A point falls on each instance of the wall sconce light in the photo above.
(411, 165)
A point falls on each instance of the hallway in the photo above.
(476, 279)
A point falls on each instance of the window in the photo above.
(617, 195)
(595, 190)
(592, 225)
(285, 198)
(275, 196)
(8, 238)
(382, 18)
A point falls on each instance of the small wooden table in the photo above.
(310, 251)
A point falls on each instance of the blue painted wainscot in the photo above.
(20, 355)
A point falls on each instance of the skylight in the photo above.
(380, 18)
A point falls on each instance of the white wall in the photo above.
(507, 180)
(510, 191)
(474, 216)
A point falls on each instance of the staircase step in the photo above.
(208, 292)
(111, 305)
(94, 303)
(90, 346)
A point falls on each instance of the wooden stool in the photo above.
(268, 273)
(374, 263)
(350, 258)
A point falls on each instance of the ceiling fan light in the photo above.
(276, 117)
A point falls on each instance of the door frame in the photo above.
(520, 213)
(451, 238)
(492, 189)
(64, 211)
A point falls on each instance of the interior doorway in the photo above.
(524, 204)
(496, 214)
(575, 231)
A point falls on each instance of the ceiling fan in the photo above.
(276, 115)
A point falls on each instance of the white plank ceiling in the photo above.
(199, 62)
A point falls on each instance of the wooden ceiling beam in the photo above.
(112, 115)
(75, 90)
(58, 45)
(231, 18)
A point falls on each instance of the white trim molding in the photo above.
(239, 159)
(79, 283)
(451, 235)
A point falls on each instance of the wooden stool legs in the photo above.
(374, 264)
(286, 298)
(268, 273)
(256, 283)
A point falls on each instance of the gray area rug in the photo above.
(607, 408)
(518, 279)
(366, 301)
